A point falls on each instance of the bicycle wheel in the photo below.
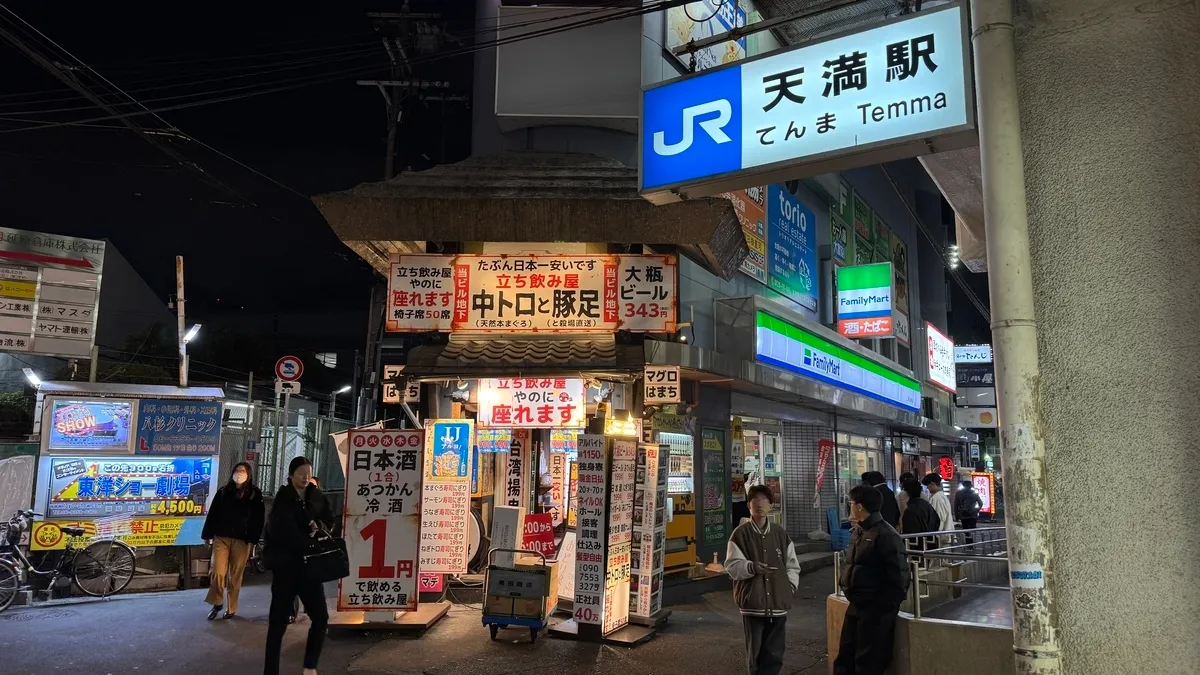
(104, 568)
(10, 584)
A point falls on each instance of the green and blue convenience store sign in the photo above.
(788, 346)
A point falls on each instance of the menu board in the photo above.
(620, 533)
(446, 496)
(716, 514)
(591, 504)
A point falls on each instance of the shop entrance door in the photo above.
(764, 464)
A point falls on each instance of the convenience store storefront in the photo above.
(808, 411)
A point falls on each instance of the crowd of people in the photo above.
(875, 577)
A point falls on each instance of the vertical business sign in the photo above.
(622, 480)
(750, 206)
(591, 505)
(792, 247)
(839, 237)
(446, 495)
(984, 485)
(572, 491)
(714, 508)
(863, 217)
(516, 469)
(381, 524)
(864, 301)
(941, 358)
(558, 485)
(649, 523)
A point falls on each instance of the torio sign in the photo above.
(895, 90)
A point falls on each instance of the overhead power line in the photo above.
(238, 93)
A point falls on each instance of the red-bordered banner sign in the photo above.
(511, 294)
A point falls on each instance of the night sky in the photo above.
(276, 255)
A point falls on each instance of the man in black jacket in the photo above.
(888, 508)
(875, 580)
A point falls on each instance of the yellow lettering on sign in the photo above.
(24, 290)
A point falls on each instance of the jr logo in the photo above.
(714, 127)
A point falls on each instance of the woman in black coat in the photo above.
(300, 511)
(233, 526)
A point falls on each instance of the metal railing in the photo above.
(975, 558)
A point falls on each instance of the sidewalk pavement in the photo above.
(167, 634)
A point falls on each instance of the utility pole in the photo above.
(181, 319)
(1014, 342)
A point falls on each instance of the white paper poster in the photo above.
(591, 503)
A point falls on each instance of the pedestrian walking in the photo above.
(941, 502)
(967, 504)
(874, 580)
(232, 527)
(299, 514)
(890, 510)
(919, 517)
(296, 607)
(762, 562)
(902, 498)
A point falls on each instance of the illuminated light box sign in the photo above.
(553, 294)
(941, 358)
(888, 91)
(102, 426)
(984, 484)
(552, 402)
(792, 348)
(493, 440)
(82, 487)
(865, 301)
(171, 427)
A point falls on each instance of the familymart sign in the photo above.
(865, 301)
(793, 348)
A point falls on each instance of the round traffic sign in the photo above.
(289, 368)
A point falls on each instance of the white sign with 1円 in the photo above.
(381, 521)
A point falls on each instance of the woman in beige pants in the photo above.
(234, 524)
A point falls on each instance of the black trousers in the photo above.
(866, 644)
(285, 588)
(766, 640)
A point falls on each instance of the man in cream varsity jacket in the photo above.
(765, 572)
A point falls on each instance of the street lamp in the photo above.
(333, 399)
(33, 378)
(191, 334)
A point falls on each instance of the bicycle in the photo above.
(102, 568)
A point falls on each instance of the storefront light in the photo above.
(625, 427)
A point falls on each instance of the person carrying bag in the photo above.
(302, 556)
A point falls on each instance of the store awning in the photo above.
(116, 389)
(772, 383)
(528, 197)
(479, 356)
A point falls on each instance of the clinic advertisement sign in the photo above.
(170, 427)
(788, 346)
(824, 104)
(864, 301)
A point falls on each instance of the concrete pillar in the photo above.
(1110, 101)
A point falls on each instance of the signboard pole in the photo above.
(287, 398)
(179, 315)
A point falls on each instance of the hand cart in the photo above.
(517, 595)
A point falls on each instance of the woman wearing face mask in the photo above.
(234, 524)
(300, 513)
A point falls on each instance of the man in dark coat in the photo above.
(889, 509)
(875, 581)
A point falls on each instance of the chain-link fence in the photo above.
(269, 440)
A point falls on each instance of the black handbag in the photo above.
(326, 559)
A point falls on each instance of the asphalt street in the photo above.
(167, 634)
